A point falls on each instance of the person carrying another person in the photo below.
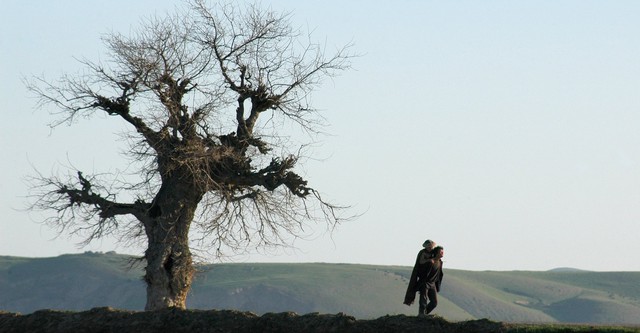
(426, 278)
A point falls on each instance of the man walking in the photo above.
(429, 280)
(426, 279)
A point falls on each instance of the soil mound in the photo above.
(106, 320)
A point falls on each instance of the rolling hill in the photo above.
(84, 281)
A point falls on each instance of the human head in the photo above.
(438, 252)
(429, 244)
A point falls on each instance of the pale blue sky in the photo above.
(508, 131)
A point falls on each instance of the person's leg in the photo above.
(433, 299)
(422, 301)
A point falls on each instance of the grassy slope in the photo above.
(567, 296)
(70, 282)
(77, 282)
(360, 290)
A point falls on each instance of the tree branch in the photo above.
(106, 208)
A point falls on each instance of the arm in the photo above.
(441, 275)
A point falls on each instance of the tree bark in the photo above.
(169, 270)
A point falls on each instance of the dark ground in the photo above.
(107, 320)
(103, 320)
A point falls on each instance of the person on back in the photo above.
(427, 281)
(423, 256)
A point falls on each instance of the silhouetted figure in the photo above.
(423, 255)
(426, 278)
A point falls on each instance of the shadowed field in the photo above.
(90, 280)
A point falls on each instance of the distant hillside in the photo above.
(81, 282)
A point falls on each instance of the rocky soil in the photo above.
(105, 320)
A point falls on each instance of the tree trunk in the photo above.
(169, 270)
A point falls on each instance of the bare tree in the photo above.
(205, 94)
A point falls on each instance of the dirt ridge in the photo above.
(107, 320)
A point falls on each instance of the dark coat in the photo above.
(424, 274)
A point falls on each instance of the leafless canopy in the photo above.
(205, 93)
